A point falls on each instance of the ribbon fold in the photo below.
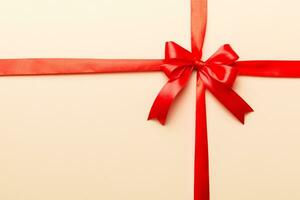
(217, 74)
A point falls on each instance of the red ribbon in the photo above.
(217, 75)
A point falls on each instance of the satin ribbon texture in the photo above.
(217, 75)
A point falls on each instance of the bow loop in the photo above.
(224, 74)
(172, 71)
(217, 75)
(175, 51)
(225, 55)
(219, 65)
(176, 60)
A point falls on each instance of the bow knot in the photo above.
(217, 74)
(199, 64)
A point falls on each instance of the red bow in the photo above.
(217, 74)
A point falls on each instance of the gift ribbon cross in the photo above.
(217, 74)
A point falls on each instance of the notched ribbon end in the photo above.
(160, 120)
(243, 116)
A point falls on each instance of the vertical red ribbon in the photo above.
(201, 162)
(13, 67)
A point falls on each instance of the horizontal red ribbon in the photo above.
(269, 68)
(57, 66)
(217, 74)
(52, 66)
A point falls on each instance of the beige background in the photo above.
(86, 136)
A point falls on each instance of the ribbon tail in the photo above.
(201, 165)
(230, 99)
(235, 104)
(167, 95)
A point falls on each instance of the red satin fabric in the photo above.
(217, 75)
(13, 67)
(269, 68)
(201, 163)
